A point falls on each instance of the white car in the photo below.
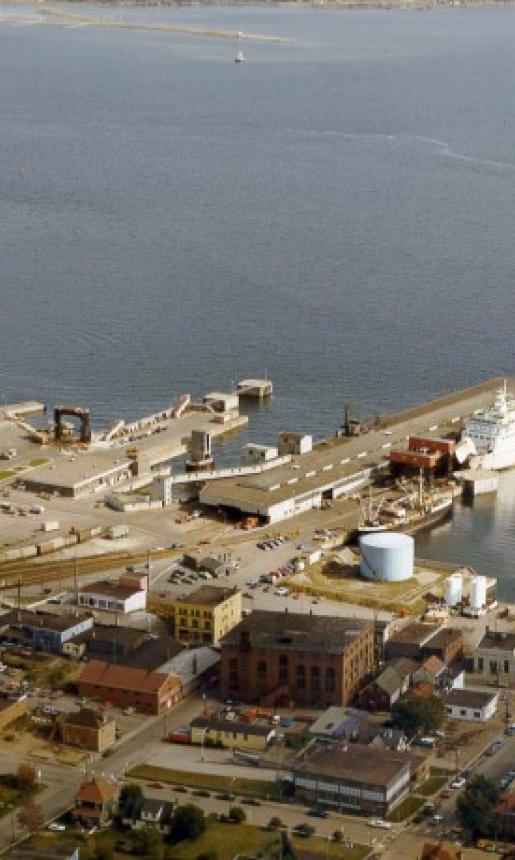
(56, 827)
(380, 823)
(282, 592)
(459, 782)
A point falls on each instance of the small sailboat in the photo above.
(239, 58)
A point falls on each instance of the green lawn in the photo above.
(432, 785)
(6, 473)
(408, 807)
(231, 839)
(226, 839)
(212, 782)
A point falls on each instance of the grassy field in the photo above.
(432, 785)
(227, 840)
(211, 782)
(408, 807)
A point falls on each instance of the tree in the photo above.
(287, 850)
(129, 795)
(475, 807)
(188, 822)
(413, 714)
(31, 816)
(338, 836)
(146, 842)
(275, 823)
(237, 814)
(26, 777)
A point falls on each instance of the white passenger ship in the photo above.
(492, 434)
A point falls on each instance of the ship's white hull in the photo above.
(494, 461)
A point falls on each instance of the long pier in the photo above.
(338, 466)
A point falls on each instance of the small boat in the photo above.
(239, 58)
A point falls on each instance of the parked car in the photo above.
(56, 827)
(459, 782)
(318, 812)
(380, 823)
(281, 592)
(496, 746)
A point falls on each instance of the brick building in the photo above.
(146, 691)
(308, 660)
(205, 614)
(88, 730)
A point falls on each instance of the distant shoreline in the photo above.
(415, 5)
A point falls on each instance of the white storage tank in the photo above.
(387, 556)
(453, 589)
(478, 592)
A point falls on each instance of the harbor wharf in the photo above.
(338, 466)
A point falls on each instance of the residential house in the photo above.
(433, 671)
(505, 813)
(306, 660)
(382, 693)
(206, 614)
(495, 654)
(146, 691)
(475, 705)
(153, 812)
(446, 644)
(88, 730)
(94, 802)
(380, 736)
(336, 723)
(346, 777)
(409, 640)
(231, 734)
(440, 851)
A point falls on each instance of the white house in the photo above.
(477, 706)
(112, 597)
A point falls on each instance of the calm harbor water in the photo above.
(338, 212)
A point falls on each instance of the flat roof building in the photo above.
(88, 472)
(205, 614)
(112, 597)
(349, 777)
(309, 660)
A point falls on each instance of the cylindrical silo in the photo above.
(387, 556)
(478, 592)
(453, 589)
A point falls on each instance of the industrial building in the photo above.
(301, 659)
(205, 614)
(43, 631)
(146, 691)
(311, 475)
(80, 475)
(348, 777)
(112, 597)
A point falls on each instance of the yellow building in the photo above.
(206, 614)
(230, 734)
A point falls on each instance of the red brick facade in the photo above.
(276, 671)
